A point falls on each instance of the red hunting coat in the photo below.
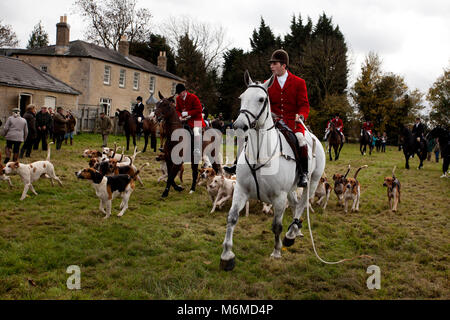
(339, 124)
(289, 101)
(368, 126)
(193, 107)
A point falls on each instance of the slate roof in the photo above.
(17, 73)
(84, 49)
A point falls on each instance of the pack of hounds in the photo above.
(114, 175)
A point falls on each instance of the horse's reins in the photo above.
(253, 168)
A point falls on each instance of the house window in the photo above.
(50, 102)
(174, 86)
(44, 68)
(136, 81)
(107, 75)
(105, 105)
(152, 84)
(122, 78)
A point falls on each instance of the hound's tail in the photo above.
(48, 152)
(134, 154)
(134, 177)
(121, 158)
(348, 170)
(357, 171)
(393, 170)
(115, 150)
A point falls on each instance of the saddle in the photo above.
(292, 141)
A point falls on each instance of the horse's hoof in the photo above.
(178, 188)
(165, 194)
(288, 242)
(191, 192)
(227, 265)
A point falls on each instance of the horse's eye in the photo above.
(261, 99)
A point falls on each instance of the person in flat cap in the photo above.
(138, 113)
(190, 109)
(15, 132)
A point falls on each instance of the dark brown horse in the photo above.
(364, 140)
(411, 146)
(128, 121)
(334, 140)
(166, 114)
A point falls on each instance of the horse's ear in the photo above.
(172, 99)
(248, 81)
(269, 82)
(160, 95)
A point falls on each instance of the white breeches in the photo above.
(301, 139)
(197, 131)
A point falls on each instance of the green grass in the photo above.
(170, 249)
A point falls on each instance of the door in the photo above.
(24, 100)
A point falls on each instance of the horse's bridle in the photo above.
(246, 112)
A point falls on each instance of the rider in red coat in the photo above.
(339, 125)
(368, 127)
(289, 101)
(190, 109)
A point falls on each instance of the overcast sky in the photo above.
(411, 37)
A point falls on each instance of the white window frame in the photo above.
(107, 75)
(123, 73)
(108, 102)
(152, 84)
(136, 79)
(50, 105)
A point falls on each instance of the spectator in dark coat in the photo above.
(30, 117)
(70, 130)
(43, 126)
(59, 127)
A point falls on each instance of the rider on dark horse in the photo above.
(338, 124)
(418, 131)
(189, 111)
(138, 113)
(289, 101)
(367, 126)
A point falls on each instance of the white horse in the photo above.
(266, 170)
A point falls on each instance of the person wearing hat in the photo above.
(338, 124)
(30, 117)
(15, 132)
(418, 130)
(289, 102)
(189, 109)
(138, 112)
(367, 125)
(59, 127)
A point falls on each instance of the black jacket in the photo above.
(418, 129)
(138, 110)
(43, 119)
(31, 122)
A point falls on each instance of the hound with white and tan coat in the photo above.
(339, 181)
(2, 175)
(352, 191)
(30, 173)
(109, 187)
(323, 192)
(393, 190)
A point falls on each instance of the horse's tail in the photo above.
(357, 171)
(134, 176)
(348, 170)
(393, 170)
(48, 153)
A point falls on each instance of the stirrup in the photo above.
(303, 181)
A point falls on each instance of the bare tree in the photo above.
(8, 37)
(109, 20)
(207, 39)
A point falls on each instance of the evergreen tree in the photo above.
(38, 37)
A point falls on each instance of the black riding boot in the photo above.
(303, 181)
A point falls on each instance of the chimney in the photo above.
(62, 36)
(124, 46)
(162, 60)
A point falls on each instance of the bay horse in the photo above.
(443, 136)
(334, 140)
(410, 146)
(128, 121)
(150, 126)
(166, 114)
(364, 140)
(269, 175)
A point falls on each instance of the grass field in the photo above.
(170, 249)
